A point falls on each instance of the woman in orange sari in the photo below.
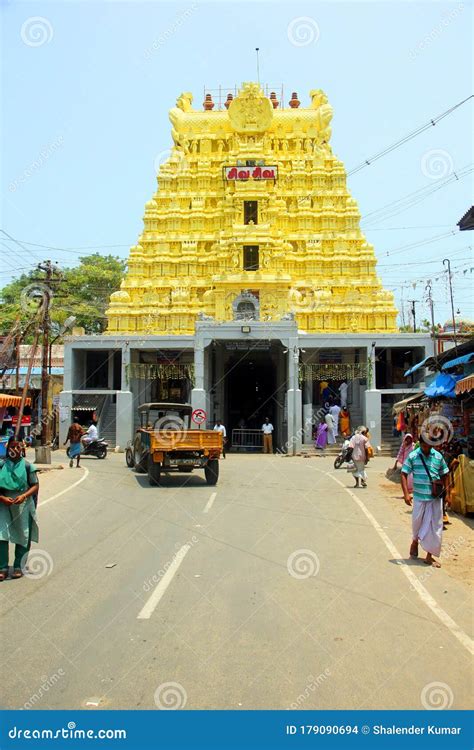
(344, 422)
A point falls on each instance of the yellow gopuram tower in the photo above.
(252, 219)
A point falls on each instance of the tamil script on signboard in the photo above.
(251, 173)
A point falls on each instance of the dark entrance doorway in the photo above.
(250, 391)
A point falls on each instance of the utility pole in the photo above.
(46, 323)
(431, 306)
(447, 262)
(27, 383)
(17, 363)
(413, 312)
(47, 284)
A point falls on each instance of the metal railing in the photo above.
(247, 440)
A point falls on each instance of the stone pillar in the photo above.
(124, 419)
(68, 384)
(294, 400)
(65, 411)
(373, 416)
(371, 373)
(124, 383)
(198, 393)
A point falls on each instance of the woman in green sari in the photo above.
(18, 525)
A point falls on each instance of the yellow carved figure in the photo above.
(252, 217)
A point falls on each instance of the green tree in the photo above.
(82, 290)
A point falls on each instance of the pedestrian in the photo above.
(405, 449)
(344, 422)
(360, 445)
(343, 391)
(74, 435)
(92, 433)
(334, 411)
(330, 423)
(322, 436)
(430, 482)
(326, 392)
(267, 429)
(18, 522)
(219, 427)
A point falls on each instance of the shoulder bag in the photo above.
(437, 486)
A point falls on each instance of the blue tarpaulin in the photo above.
(458, 361)
(443, 385)
(417, 366)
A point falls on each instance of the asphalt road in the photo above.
(277, 588)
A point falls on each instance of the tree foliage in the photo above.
(82, 290)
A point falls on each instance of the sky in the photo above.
(86, 89)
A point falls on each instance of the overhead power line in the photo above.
(411, 199)
(408, 137)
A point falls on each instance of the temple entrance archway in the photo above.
(249, 385)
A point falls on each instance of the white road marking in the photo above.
(162, 585)
(422, 592)
(210, 502)
(63, 492)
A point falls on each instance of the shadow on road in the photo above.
(174, 481)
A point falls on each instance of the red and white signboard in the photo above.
(199, 416)
(250, 173)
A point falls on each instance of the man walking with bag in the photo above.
(430, 479)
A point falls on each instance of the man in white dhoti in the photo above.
(343, 391)
(428, 468)
(329, 419)
(334, 412)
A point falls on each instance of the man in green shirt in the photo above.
(427, 466)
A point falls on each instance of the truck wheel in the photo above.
(211, 470)
(141, 462)
(129, 458)
(154, 472)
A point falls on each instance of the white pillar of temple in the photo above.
(307, 409)
(295, 432)
(198, 393)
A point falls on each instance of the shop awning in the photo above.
(465, 385)
(458, 361)
(443, 385)
(402, 405)
(7, 400)
(417, 366)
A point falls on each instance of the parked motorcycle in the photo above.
(344, 456)
(97, 448)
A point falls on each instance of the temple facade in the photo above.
(251, 284)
